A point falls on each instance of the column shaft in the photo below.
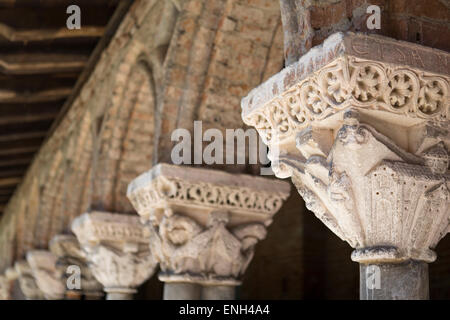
(399, 281)
(181, 291)
(218, 292)
(119, 296)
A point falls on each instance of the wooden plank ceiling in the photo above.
(42, 66)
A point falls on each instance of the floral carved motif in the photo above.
(352, 82)
(213, 195)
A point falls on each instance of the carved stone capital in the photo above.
(204, 224)
(48, 278)
(394, 80)
(27, 281)
(361, 125)
(5, 288)
(11, 273)
(117, 249)
(68, 254)
(7, 282)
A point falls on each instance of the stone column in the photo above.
(27, 283)
(48, 278)
(204, 225)
(182, 291)
(117, 250)
(361, 125)
(70, 259)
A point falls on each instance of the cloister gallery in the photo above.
(350, 201)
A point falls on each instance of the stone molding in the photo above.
(211, 190)
(203, 223)
(369, 72)
(361, 126)
(48, 278)
(117, 249)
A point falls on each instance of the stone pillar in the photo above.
(117, 250)
(204, 225)
(27, 283)
(182, 291)
(48, 278)
(400, 281)
(70, 259)
(361, 126)
(218, 292)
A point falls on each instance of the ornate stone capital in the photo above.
(27, 281)
(204, 224)
(6, 283)
(5, 288)
(117, 249)
(48, 278)
(396, 80)
(361, 125)
(68, 253)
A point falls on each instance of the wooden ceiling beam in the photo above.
(33, 83)
(16, 161)
(28, 118)
(10, 181)
(14, 128)
(4, 199)
(18, 109)
(5, 145)
(6, 192)
(22, 136)
(19, 150)
(39, 63)
(114, 22)
(11, 96)
(13, 35)
(11, 173)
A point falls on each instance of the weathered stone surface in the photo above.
(117, 250)
(67, 250)
(368, 72)
(204, 224)
(361, 124)
(48, 278)
(402, 281)
(218, 292)
(4, 288)
(297, 28)
(27, 281)
(338, 108)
